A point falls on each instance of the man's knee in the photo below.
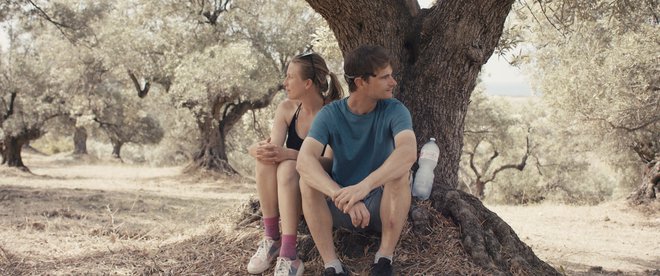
(402, 183)
(306, 190)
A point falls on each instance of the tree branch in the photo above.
(472, 166)
(219, 8)
(10, 108)
(467, 131)
(636, 128)
(57, 24)
(520, 166)
(142, 92)
(490, 160)
(231, 116)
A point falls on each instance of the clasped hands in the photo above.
(349, 200)
(270, 153)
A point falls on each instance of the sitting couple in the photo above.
(350, 171)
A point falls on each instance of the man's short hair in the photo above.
(363, 62)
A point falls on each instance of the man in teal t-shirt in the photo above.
(373, 144)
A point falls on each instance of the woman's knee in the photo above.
(287, 173)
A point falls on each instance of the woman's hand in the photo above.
(270, 153)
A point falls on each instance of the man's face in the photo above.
(381, 85)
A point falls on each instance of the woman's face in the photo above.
(293, 83)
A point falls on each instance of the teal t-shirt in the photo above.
(360, 143)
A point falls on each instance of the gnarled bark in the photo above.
(439, 53)
(648, 191)
(225, 113)
(13, 145)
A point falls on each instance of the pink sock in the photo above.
(288, 248)
(272, 227)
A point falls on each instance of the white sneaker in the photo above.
(266, 253)
(286, 267)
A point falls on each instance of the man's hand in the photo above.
(359, 215)
(270, 153)
(347, 197)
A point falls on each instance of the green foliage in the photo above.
(29, 97)
(565, 165)
(603, 71)
(595, 65)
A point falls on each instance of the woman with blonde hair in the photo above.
(308, 90)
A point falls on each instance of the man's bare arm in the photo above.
(397, 165)
(311, 170)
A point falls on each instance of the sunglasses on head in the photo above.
(311, 59)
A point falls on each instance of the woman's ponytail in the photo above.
(335, 91)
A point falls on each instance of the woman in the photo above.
(277, 179)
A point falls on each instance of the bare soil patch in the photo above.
(607, 237)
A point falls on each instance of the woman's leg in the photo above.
(267, 188)
(266, 176)
(289, 205)
(269, 247)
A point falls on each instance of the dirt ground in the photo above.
(79, 211)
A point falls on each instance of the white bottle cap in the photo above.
(432, 139)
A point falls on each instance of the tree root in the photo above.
(489, 240)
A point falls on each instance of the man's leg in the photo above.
(394, 208)
(319, 221)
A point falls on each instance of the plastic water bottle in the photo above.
(428, 159)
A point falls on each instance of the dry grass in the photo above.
(118, 219)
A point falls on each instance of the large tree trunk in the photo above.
(648, 191)
(439, 53)
(212, 154)
(80, 141)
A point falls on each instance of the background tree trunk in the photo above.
(480, 186)
(80, 141)
(212, 154)
(226, 112)
(439, 53)
(648, 191)
(11, 154)
(116, 148)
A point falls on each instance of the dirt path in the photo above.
(609, 235)
(67, 209)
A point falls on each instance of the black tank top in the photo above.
(293, 141)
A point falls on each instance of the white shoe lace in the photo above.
(283, 266)
(264, 247)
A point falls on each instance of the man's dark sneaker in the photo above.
(330, 271)
(382, 268)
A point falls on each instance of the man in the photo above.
(373, 146)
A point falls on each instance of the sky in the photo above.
(499, 77)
